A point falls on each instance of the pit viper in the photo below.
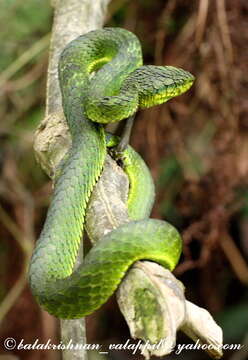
(102, 80)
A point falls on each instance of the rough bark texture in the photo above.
(71, 19)
(150, 297)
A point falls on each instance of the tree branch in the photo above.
(71, 19)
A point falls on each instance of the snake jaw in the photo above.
(166, 94)
(158, 84)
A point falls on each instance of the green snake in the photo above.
(102, 80)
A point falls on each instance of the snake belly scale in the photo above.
(120, 85)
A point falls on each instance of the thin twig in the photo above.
(224, 28)
(14, 230)
(235, 258)
(27, 79)
(39, 46)
(26, 247)
(201, 21)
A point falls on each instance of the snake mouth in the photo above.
(177, 88)
(166, 93)
(158, 84)
(145, 87)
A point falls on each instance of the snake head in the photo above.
(144, 87)
(158, 84)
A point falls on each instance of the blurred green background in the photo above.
(196, 147)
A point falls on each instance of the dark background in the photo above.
(195, 145)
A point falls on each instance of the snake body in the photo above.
(119, 87)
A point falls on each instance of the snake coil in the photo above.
(119, 87)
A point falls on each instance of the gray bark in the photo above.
(71, 19)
